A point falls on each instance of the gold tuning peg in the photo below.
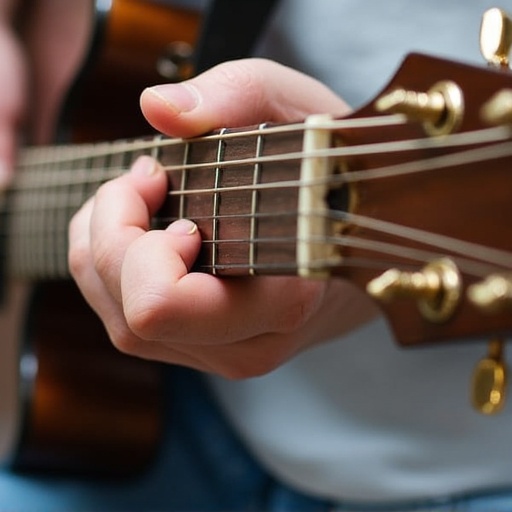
(498, 109)
(436, 287)
(490, 380)
(493, 294)
(440, 109)
(496, 37)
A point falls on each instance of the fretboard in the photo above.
(242, 188)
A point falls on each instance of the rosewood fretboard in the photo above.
(241, 187)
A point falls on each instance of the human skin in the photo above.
(40, 59)
(14, 93)
(139, 281)
(236, 327)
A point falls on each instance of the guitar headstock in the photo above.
(428, 231)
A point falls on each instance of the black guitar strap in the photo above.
(230, 30)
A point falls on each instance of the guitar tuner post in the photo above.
(436, 287)
(440, 109)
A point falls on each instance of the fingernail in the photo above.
(179, 97)
(182, 227)
(146, 166)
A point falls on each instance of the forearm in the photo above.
(12, 83)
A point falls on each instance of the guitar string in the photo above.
(486, 254)
(490, 260)
(494, 259)
(485, 153)
(53, 155)
(465, 265)
(477, 137)
(434, 163)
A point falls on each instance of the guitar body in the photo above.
(70, 403)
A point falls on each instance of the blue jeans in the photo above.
(202, 466)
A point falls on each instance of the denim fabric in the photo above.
(202, 467)
(498, 502)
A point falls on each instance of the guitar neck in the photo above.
(242, 188)
(353, 197)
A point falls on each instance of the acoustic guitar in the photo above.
(409, 198)
(69, 403)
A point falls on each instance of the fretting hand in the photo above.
(138, 281)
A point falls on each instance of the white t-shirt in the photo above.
(359, 418)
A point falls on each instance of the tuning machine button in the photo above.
(440, 109)
(490, 380)
(496, 37)
(498, 109)
(436, 287)
(492, 295)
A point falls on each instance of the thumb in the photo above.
(237, 93)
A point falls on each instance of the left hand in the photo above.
(138, 281)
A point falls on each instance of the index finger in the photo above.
(122, 212)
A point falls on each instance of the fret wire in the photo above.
(254, 199)
(216, 198)
(183, 181)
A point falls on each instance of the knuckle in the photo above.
(125, 341)
(103, 256)
(78, 257)
(104, 259)
(148, 315)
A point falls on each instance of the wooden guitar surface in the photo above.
(70, 403)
